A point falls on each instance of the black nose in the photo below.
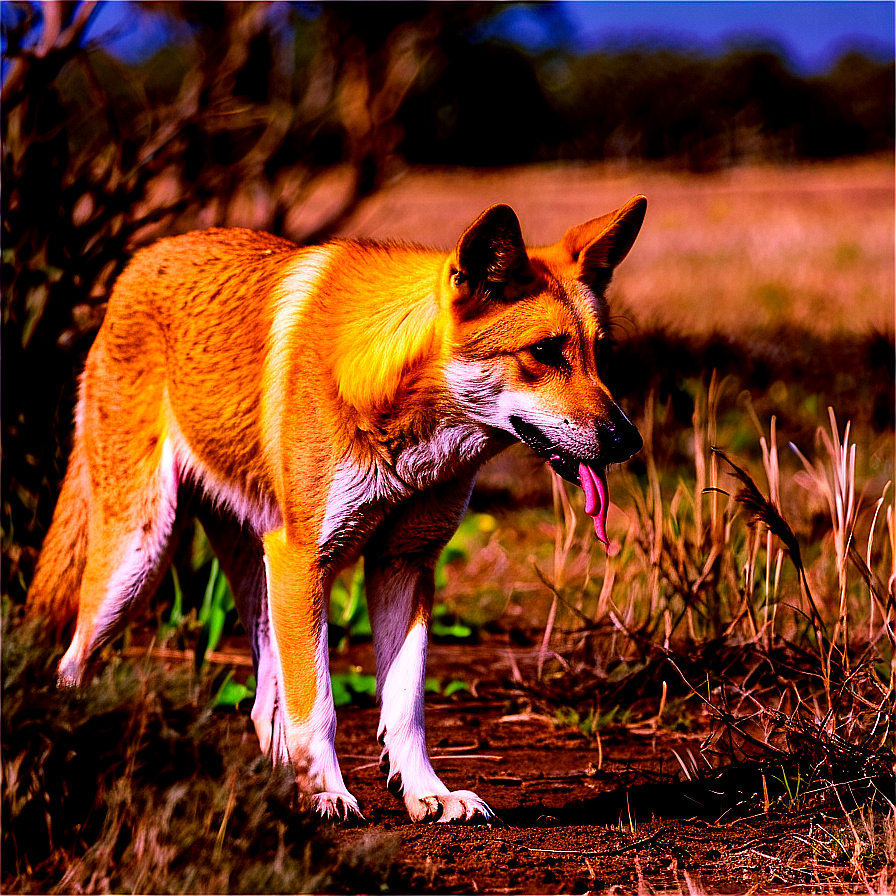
(619, 439)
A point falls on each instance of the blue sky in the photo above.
(812, 33)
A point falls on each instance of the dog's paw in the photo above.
(458, 807)
(336, 806)
(69, 676)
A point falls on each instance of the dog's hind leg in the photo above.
(130, 529)
(399, 570)
(241, 554)
(128, 479)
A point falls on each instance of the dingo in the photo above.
(325, 403)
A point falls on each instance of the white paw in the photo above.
(69, 676)
(458, 807)
(339, 806)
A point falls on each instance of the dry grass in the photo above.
(695, 618)
(131, 785)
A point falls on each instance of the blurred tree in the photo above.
(478, 104)
(852, 109)
(643, 103)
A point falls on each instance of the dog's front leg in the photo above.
(303, 723)
(400, 594)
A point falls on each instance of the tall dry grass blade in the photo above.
(876, 588)
(773, 476)
(870, 551)
(701, 450)
(655, 507)
(564, 535)
(834, 479)
(717, 518)
(877, 507)
(760, 510)
(891, 529)
(770, 462)
(606, 588)
(891, 591)
(546, 638)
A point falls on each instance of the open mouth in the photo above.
(591, 477)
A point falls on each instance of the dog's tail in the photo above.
(53, 596)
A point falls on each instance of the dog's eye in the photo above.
(550, 352)
(603, 352)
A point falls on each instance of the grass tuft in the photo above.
(131, 784)
(792, 698)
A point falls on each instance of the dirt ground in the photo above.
(574, 816)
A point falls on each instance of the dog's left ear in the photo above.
(487, 256)
(599, 245)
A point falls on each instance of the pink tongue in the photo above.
(597, 498)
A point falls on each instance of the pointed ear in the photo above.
(486, 257)
(599, 245)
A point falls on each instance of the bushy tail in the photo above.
(53, 596)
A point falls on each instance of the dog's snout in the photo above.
(619, 439)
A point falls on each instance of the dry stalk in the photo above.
(760, 510)
(773, 476)
(833, 478)
(564, 536)
(869, 552)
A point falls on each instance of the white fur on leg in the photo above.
(403, 735)
(264, 710)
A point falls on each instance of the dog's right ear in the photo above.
(487, 256)
(596, 247)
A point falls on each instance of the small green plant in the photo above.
(793, 797)
(446, 688)
(353, 688)
(232, 693)
(176, 614)
(447, 626)
(592, 723)
(217, 605)
(349, 618)
(217, 614)
(678, 716)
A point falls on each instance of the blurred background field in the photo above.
(760, 293)
(758, 245)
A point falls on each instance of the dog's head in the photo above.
(529, 341)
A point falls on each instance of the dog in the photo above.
(312, 406)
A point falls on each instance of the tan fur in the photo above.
(55, 588)
(325, 402)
